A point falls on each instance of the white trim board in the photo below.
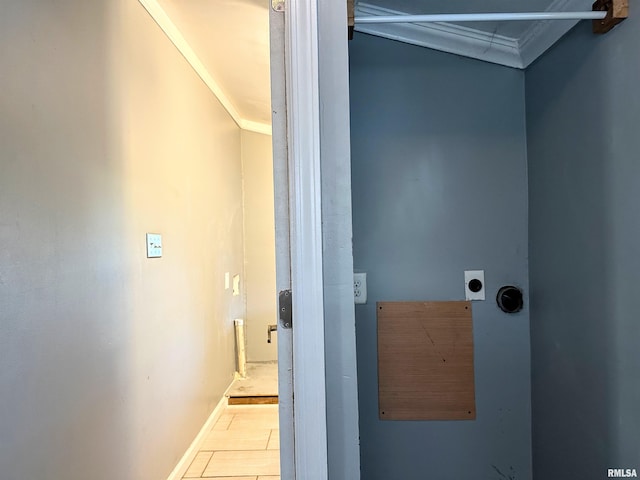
(171, 31)
(446, 37)
(281, 188)
(469, 42)
(303, 128)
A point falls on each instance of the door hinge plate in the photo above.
(285, 309)
(277, 5)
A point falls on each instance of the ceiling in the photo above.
(227, 41)
(231, 40)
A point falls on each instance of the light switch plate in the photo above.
(154, 245)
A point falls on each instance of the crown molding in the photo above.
(175, 36)
(473, 43)
(543, 35)
(446, 37)
(256, 127)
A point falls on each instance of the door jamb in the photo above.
(303, 129)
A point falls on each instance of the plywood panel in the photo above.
(257, 400)
(425, 361)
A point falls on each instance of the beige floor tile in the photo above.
(237, 440)
(252, 477)
(224, 421)
(252, 409)
(198, 465)
(268, 478)
(257, 415)
(253, 425)
(274, 440)
(255, 420)
(254, 414)
(247, 463)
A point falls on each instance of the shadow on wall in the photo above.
(583, 226)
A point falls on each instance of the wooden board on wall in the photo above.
(425, 361)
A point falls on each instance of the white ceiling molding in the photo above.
(171, 31)
(447, 37)
(473, 43)
(543, 35)
(256, 127)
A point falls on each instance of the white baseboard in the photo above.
(183, 465)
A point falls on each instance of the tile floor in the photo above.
(244, 444)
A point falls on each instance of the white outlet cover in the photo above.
(154, 245)
(227, 281)
(360, 288)
(474, 275)
(236, 285)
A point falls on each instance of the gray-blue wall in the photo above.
(439, 186)
(583, 119)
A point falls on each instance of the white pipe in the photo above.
(480, 17)
(240, 347)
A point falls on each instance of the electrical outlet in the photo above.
(360, 288)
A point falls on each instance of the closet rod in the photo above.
(480, 17)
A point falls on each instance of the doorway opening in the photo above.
(229, 48)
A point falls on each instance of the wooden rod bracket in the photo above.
(617, 11)
(351, 15)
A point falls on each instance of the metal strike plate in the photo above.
(285, 309)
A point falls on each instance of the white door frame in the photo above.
(306, 242)
(305, 236)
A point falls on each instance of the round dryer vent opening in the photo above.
(510, 299)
